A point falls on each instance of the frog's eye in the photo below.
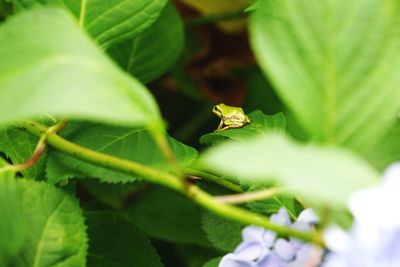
(215, 109)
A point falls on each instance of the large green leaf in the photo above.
(335, 63)
(387, 150)
(166, 215)
(110, 21)
(320, 174)
(135, 144)
(48, 220)
(152, 53)
(19, 146)
(260, 124)
(12, 228)
(49, 66)
(114, 241)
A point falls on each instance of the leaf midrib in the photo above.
(39, 247)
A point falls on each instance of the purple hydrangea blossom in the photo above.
(375, 237)
(262, 248)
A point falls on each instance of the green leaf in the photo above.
(270, 206)
(387, 150)
(12, 227)
(152, 53)
(19, 147)
(334, 64)
(224, 234)
(108, 22)
(321, 174)
(213, 262)
(194, 256)
(166, 215)
(113, 195)
(114, 241)
(259, 94)
(135, 144)
(260, 124)
(49, 220)
(65, 75)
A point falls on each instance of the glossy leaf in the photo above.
(260, 124)
(48, 220)
(320, 174)
(114, 241)
(108, 22)
(334, 64)
(153, 52)
(171, 217)
(135, 144)
(67, 75)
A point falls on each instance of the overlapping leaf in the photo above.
(108, 22)
(387, 150)
(115, 241)
(12, 226)
(334, 63)
(44, 225)
(49, 66)
(224, 234)
(153, 52)
(171, 217)
(320, 174)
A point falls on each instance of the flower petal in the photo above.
(252, 234)
(284, 249)
(308, 216)
(282, 217)
(231, 260)
(248, 251)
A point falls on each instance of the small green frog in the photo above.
(231, 117)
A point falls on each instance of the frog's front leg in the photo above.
(219, 128)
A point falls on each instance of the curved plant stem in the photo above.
(214, 178)
(178, 184)
(39, 150)
(161, 140)
(250, 196)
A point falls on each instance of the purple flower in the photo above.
(375, 237)
(262, 248)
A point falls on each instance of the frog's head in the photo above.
(219, 110)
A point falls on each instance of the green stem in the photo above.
(214, 178)
(176, 183)
(250, 196)
(215, 18)
(247, 217)
(161, 140)
(103, 159)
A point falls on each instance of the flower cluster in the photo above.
(375, 237)
(262, 248)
